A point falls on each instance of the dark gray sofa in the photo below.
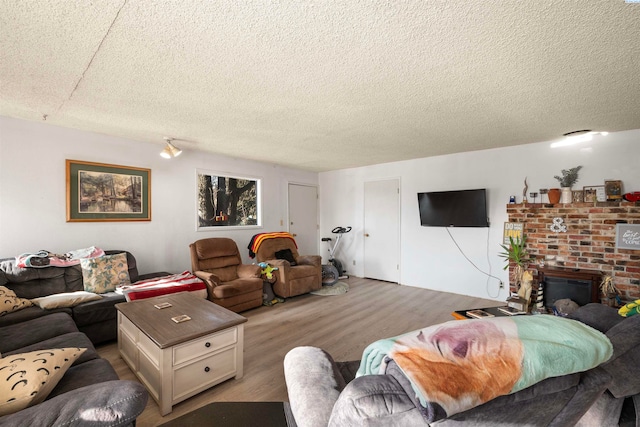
(323, 392)
(89, 393)
(97, 319)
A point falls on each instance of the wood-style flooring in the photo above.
(343, 325)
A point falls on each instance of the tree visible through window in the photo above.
(227, 201)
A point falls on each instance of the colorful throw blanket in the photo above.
(43, 258)
(164, 285)
(257, 239)
(458, 365)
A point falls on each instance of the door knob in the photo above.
(366, 234)
(294, 234)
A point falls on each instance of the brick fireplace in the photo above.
(589, 241)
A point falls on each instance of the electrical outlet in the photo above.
(501, 285)
(354, 262)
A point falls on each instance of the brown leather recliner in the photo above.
(231, 284)
(304, 277)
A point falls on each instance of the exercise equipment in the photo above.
(333, 271)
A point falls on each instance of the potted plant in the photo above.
(568, 178)
(515, 254)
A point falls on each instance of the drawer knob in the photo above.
(207, 344)
(206, 369)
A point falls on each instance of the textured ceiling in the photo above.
(323, 85)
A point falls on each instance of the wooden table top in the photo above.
(206, 318)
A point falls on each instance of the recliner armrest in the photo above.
(315, 260)
(246, 271)
(209, 278)
(314, 384)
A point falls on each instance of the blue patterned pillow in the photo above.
(104, 273)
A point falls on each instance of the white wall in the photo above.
(429, 258)
(32, 195)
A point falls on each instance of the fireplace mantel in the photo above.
(588, 243)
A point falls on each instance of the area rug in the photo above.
(337, 289)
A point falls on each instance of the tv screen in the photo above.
(462, 208)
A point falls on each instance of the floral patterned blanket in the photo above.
(458, 365)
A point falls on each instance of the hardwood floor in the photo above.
(343, 325)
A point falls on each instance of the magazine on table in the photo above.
(479, 314)
(511, 311)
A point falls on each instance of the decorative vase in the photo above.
(566, 196)
(554, 195)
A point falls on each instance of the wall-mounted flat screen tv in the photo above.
(461, 208)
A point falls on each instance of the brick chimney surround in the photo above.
(588, 243)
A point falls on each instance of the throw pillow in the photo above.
(26, 379)
(287, 255)
(9, 302)
(65, 299)
(103, 274)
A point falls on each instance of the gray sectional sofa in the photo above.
(97, 319)
(323, 392)
(89, 393)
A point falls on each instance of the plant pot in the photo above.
(554, 195)
(566, 196)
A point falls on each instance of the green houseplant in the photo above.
(515, 254)
(568, 178)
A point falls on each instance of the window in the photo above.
(227, 201)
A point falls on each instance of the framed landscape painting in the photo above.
(103, 192)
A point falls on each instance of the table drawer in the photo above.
(203, 346)
(204, 373)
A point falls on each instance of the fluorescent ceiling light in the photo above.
(576, 137)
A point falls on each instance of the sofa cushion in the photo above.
(26, 379)
(9, 302)
(84, 374)
(98, 310)
(104, 274)
(36, 282)
(70, 340)
(22, 334)
(65, 299)
(112, 403)
(29, 313)
(598, 316)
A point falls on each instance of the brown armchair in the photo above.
(291, 280)
(231, 284)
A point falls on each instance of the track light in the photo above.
(170, 151)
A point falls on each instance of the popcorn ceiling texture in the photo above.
(323, 85)
(588, 244)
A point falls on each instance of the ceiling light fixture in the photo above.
(170, 151)
(576, 137)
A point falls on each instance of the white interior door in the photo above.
(382, 230)
(303, 217)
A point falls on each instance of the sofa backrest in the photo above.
(38, 282)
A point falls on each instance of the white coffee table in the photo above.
(178, 360)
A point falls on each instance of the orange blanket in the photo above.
(257, 240)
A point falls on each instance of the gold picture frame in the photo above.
(99, 192)
(594, 193)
